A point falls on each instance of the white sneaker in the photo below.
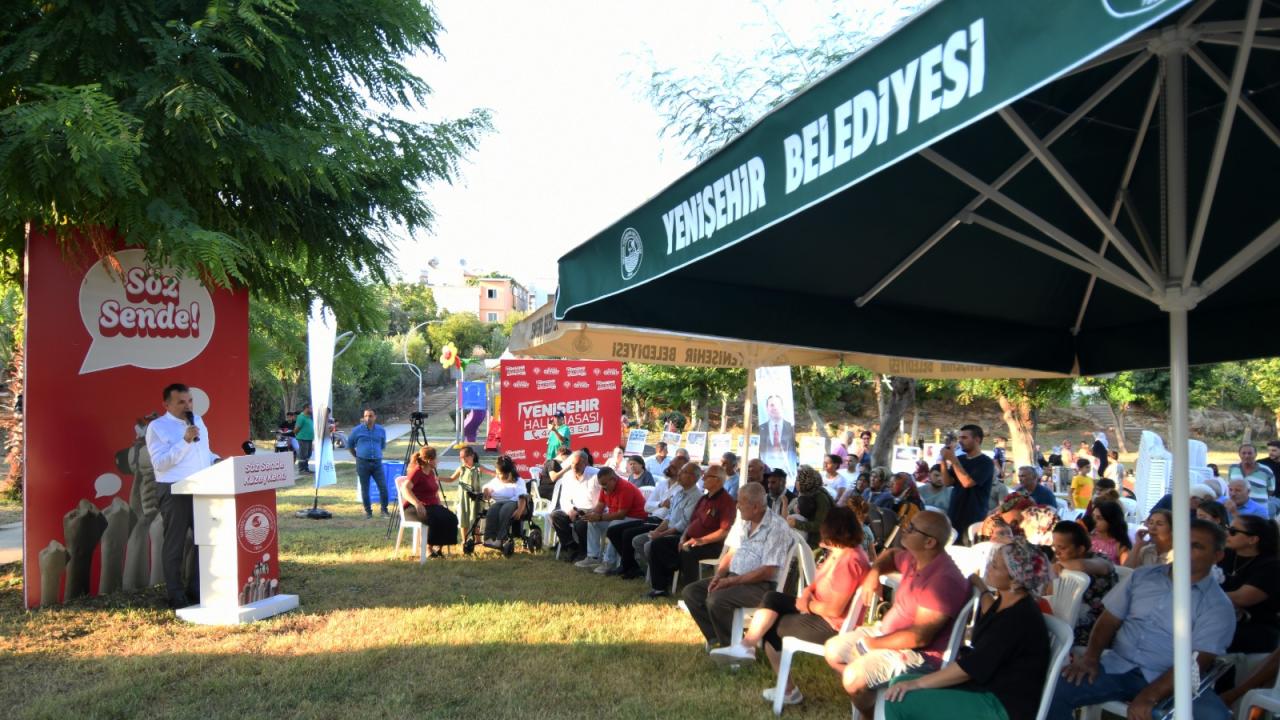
(793, 698)
(602, 568)
(587, 562)
(736, 654)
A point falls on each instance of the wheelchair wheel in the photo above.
(469, 546)
(508, 547)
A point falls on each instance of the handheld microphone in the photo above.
(191, 421)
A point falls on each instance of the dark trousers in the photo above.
(368, 470)
(178, 521)
(714, 611)
(620, 536)
(304, 454)
(573, 535)
(442, 524)
(793, 623)
(665, 557)
(497, 521)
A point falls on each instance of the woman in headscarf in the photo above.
(1007, 515)
(811, 506)
(1002, 676)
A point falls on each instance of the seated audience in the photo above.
(420, 496)
(620, 503)
(1135, 630)
(934, 493)
(1154, 545)
(508, 497)
(729, 461)
(1110, 536)
(862, 511)
(618, 461)
(659, 461)
(902, 493)
(1029, 485)
(756, 471)
(835, 482)
(914, 633)
(995, 529)
(811, 506)
(713, 516)
(820, 611)
(579, 492)
(756, 548)
(637, 474)
(1072, 549)
(1252, 582)
(1215, 512)
(1001, 675)
(1239, 503)
(684, 496)
(778, 496)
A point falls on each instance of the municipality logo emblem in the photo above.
(632, 253)
(1129, 8)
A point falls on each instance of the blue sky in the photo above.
(575, 145)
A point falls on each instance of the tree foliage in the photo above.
(253, 142)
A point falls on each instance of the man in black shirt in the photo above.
(1272, 461)
(970, 476)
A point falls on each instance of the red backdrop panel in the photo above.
(149, 329)
(588, 391)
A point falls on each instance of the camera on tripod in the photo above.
(418, 418)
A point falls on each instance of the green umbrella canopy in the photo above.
(952, 192)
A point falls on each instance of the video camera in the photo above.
(418, 418)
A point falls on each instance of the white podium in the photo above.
(234, 502)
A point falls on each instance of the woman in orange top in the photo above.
(421, 499)
(820, 611)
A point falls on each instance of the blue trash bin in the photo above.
(390, 471)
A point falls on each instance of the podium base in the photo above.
(238, 614)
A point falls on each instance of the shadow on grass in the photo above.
(633, 680)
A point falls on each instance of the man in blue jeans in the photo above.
(1136, 631)
(366, 443)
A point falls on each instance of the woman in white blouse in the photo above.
(508, 497)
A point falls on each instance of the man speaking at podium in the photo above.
(179, 445)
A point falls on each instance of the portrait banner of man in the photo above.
(776, 418)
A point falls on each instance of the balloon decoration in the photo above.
(449, 357)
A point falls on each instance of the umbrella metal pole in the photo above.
(746, 418)
(1176, 303)
(1178, 432)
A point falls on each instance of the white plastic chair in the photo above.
(793, 645)
(965, 559)
(647, 492)
(419, 532)
(972, 531)
(542, 510)
(1267, 699)
(955, 535)
(1060, 636)
(1068, 594)
(1130, 510)
(958, 627)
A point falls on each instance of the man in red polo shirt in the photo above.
(620, 502)
(712, 517)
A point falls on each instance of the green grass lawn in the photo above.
(481, 636)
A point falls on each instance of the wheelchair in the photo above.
(529, 534)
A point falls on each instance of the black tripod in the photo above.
(417, 439)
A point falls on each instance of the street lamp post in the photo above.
(417, 371)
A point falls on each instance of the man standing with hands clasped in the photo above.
(558, 434)
(366, 443)
(178, 443)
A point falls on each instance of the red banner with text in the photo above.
(588, 392)
(103, 339)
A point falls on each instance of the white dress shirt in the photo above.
(579, 492)
(172, 456)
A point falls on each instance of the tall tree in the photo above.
(1265, 376)
(254, 142)
(1017, 400)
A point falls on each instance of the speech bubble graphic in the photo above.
(199, 401)
(153, 318)
(106, 485)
